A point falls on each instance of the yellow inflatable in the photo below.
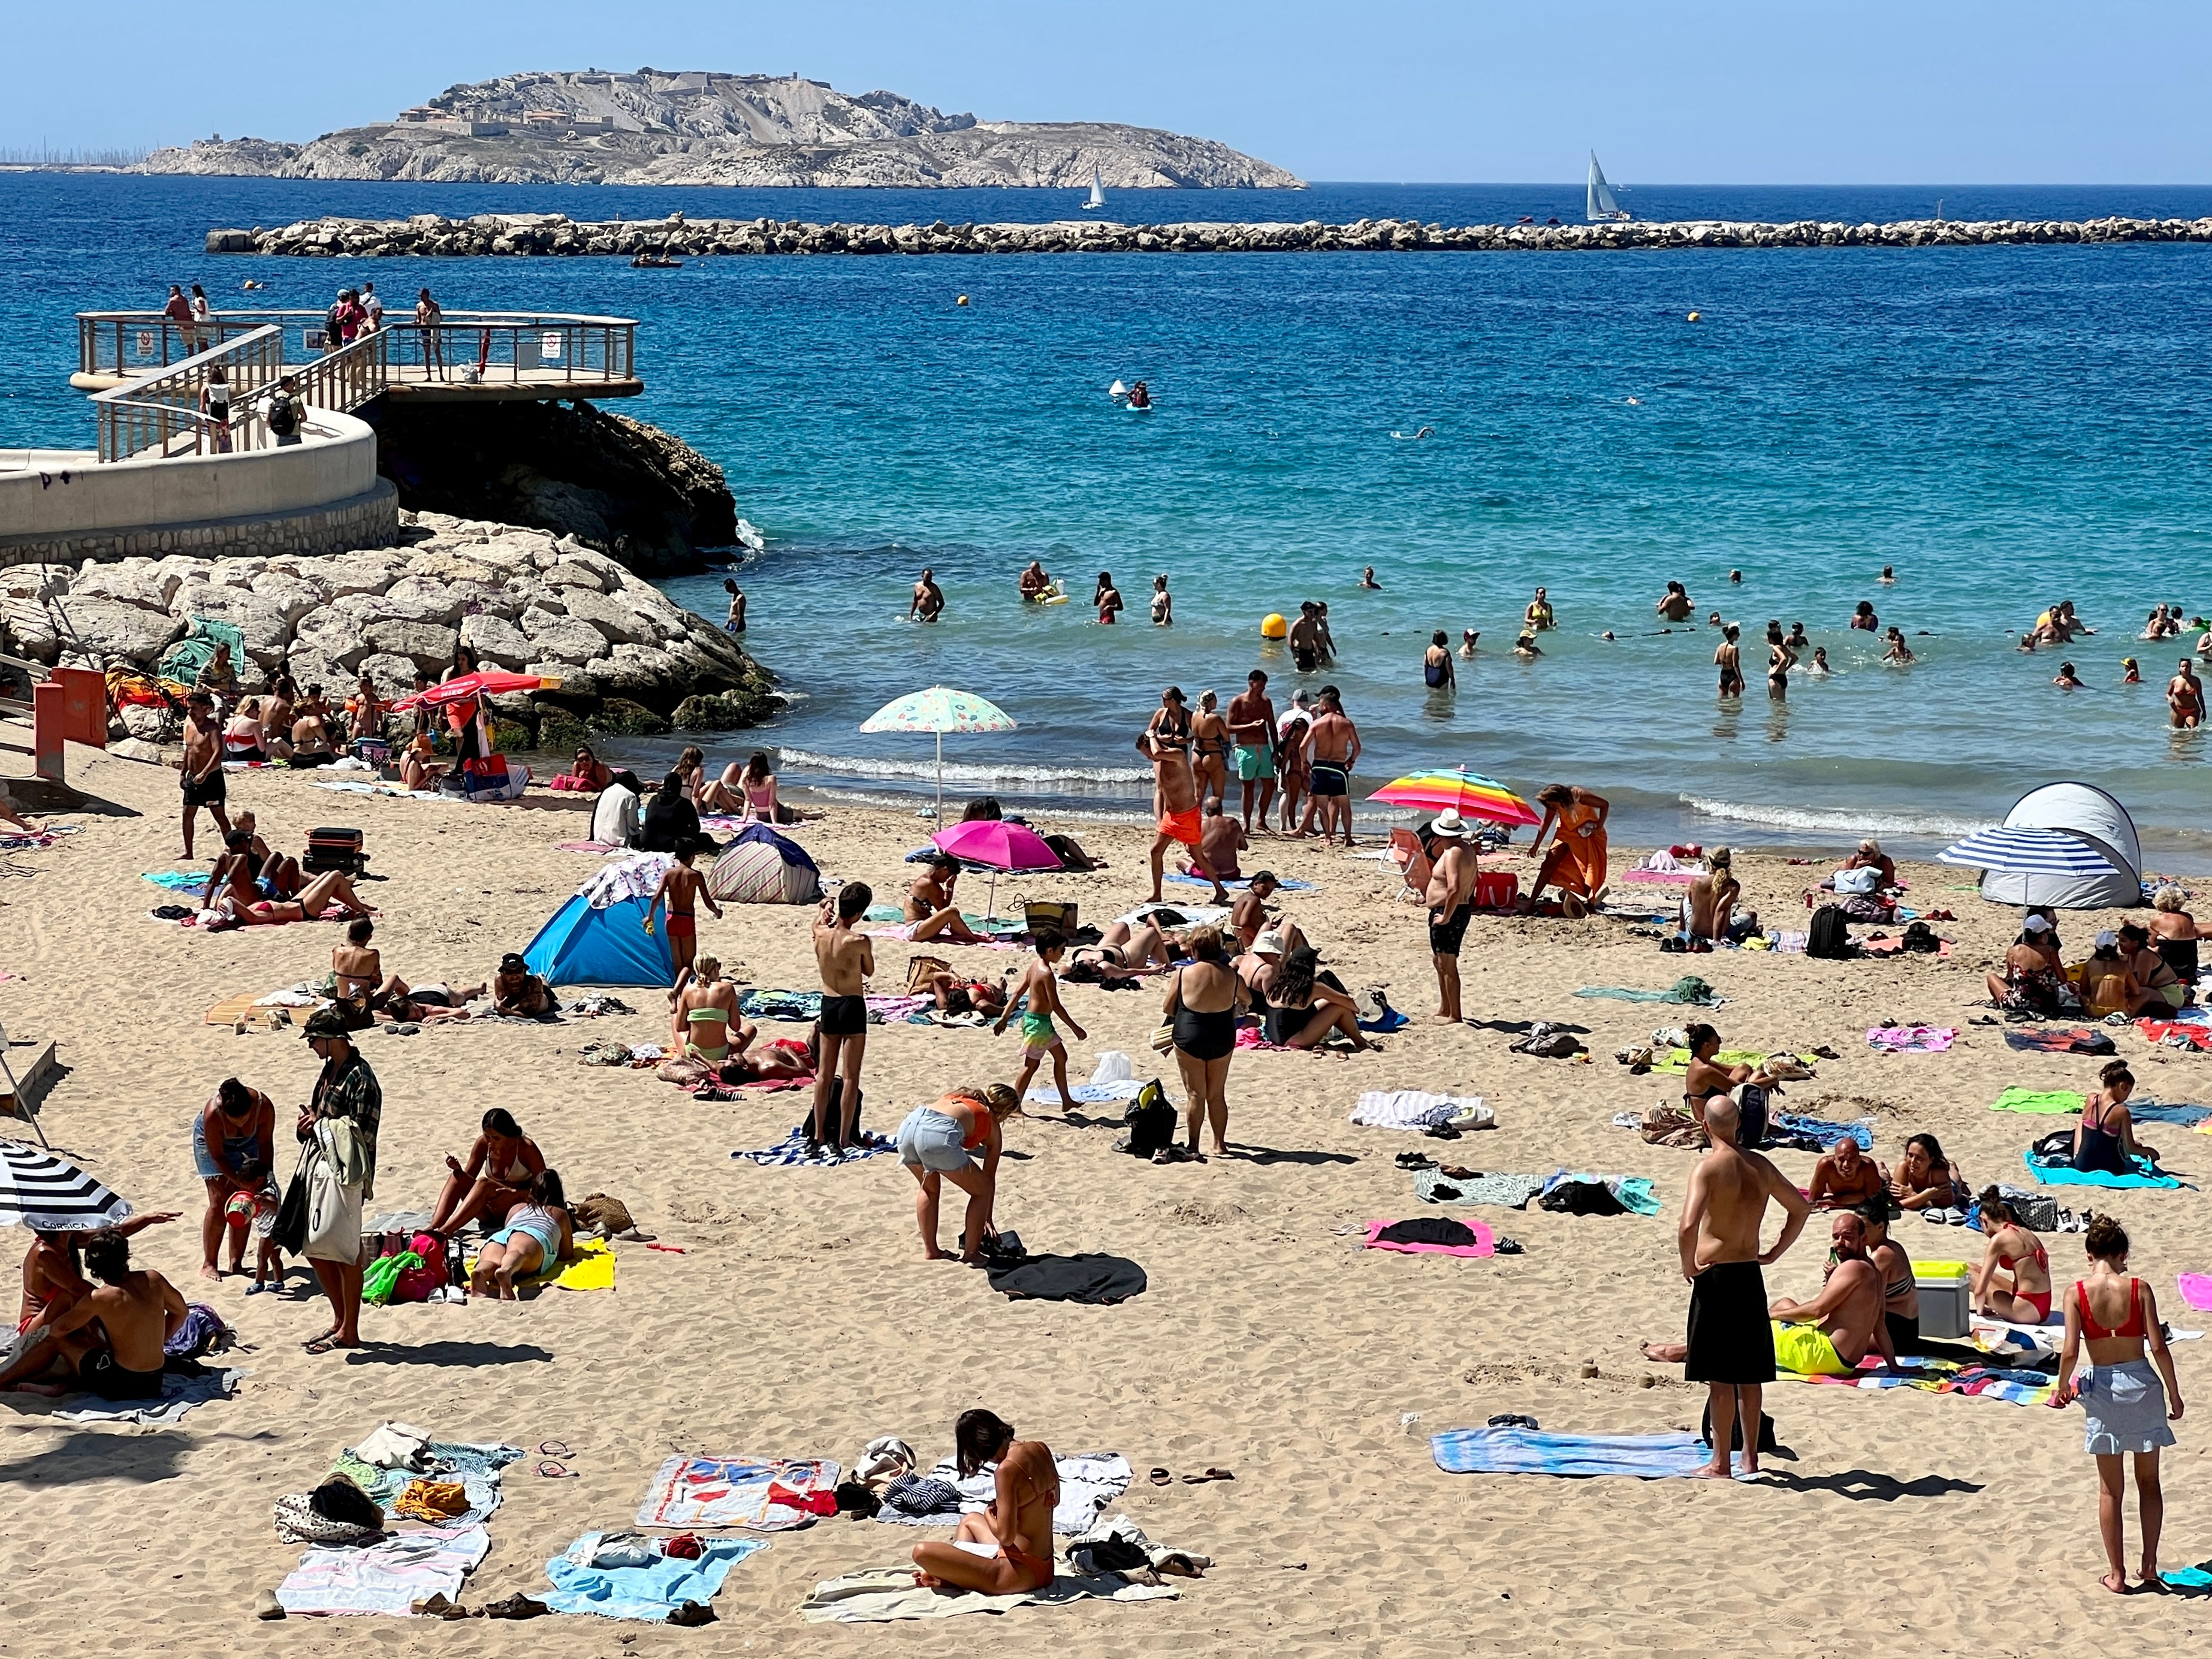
(1694, 317)
(1272, 627)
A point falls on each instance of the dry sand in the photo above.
(803, 1321)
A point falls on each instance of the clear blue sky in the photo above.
(1705, 92)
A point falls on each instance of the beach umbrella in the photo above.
(2028, 852)
(997, 845)
(939, 709)
(41, 1190)
(1470, 794)
(485, 682)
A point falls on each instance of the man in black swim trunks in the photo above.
(139, 1312)
(1731, 1344)
(202, 777)
(1451, 902)
(1304, 639)
(1333, 741)
(846, 959)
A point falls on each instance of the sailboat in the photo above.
(1097, 191)
(1603, 208)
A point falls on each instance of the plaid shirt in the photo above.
(349, 1089)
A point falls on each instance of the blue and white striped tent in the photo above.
(2066, 845)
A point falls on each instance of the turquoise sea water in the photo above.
(2005, 425)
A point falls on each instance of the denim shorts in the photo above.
(929, 1139)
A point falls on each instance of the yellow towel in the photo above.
(594, 1269)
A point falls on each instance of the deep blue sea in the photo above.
(2007, 427)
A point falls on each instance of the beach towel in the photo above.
(599, 846)
(1238, 883)
(179, 1394)
(2053, 1173)
(477, 1468)
(592, 1269)
(650, 1592)
(2014, 1386)
(1193, 915)
(2079, 1040)
(1634, 1192)
(1531, 1451)
(177, 881)
(1912, 1039)
(795, 1151)
(1689, 989)
(2174, 1033)
(2049, 1103)
(1677, 1061)
(2189, 1117)
(1414, 1239)
(904, 930)
(890, 1593)
(1101, 1280)
(1791, 1130)
(1093, 1094)
(1895, 944)
(386, 1578)
(733, 1492)
(1409, 1109)
(1089, 1481)
(1512, 1192)
(2197, 1290)
(1660, 877)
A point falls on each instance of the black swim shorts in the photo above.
(100, 1375)
(844, 1016)
(1444, 937)
(202, 792)
(1730, 1340)
(1329, 778)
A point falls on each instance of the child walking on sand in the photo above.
(681, 890)
(1042, 987)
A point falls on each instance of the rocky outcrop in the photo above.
(682, 238)
(631, 490)
(522, 598)
(691, 127)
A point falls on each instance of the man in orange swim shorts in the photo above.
(1166, 742)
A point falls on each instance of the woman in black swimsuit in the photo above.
(1210, 745)
(1203, 1001)
(1705, 1078)
(1303, 1010)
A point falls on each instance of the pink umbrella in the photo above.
(1000, 845)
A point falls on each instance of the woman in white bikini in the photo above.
(497, 1176)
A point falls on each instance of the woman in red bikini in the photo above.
(2013, 1281)
(1006, 1549)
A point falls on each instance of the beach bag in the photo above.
(1766, 1442)
(1581, 1198)
(1830, 935)
(920, 970)
(422, 1280)
(1151, 1123)
(380, 1282)
(1038, 914)
(1919, 936)
(288, 1232)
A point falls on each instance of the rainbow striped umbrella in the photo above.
(939, 709)
(1470, 794)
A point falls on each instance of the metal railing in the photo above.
(463, 345)
(163, 412)
(346, 378)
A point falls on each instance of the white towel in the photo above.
(1089, 1481)
(1409, 1109)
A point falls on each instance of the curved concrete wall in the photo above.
(336, 462)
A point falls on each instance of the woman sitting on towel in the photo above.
(2105, 1138)
(1707, 1077)
(2109, 985)
(1006, 1549)
(1303, 1010)
(1925, 1180)
(497, 1176)
(2013, 1281)
(2034, 972)
(538, 1233)
(703, 1023)
(934, 1142)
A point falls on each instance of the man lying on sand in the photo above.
(235, 893)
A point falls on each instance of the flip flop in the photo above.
(1161, 1478)
(555, 1448)
(1210, 1475)
(329, 1344)
(551, 1470)
(324, 1336)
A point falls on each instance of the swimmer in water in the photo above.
(1819, 668)
(1889, 576)
(1412, 437)
(1141, 396)
(2067, 677)
(2134, 675)
(1736, 576)
(928, 602)
(1367, 579)
(1797, 642)
(1900, 652)
(1638, 401)
(1468, 636)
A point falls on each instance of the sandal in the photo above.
(555, 1448)
(1161, 1478)
(515, 1607)
(1211, 1474)
(1415, 1161)
(551, 1470)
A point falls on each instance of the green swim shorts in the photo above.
(1254, 764)
(1038, 1033)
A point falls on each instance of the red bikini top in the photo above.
(2093, 1331)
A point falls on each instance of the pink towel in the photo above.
(1661, 877)
(1485, 1242)
(2197, 1290)
(1912, 1039)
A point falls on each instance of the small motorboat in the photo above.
(655, 262)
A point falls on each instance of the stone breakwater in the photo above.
(629, 660)
(431, 236)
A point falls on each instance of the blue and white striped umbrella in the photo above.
(2028, 852)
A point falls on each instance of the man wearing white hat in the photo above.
(1451, 902)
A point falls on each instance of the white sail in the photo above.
(1603, 205)
(1098, 189)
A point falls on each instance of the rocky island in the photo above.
(699, 127)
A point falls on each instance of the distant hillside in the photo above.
(662, 127)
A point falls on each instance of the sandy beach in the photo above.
(800, 1321)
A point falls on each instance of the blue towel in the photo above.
(2065, 1175)
(1286, 886)
(1828, 1134)
(2149, 1111)
(1530, 1451)
(176, 881)
(649, 1592)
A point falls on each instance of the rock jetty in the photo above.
(629, 660)
(531, 233)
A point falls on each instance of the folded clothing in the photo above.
(1411, 1108)
(1531, 1451)
(651, 1589)
(1793, 1130)
(1689, 990)
(1632, 1193)
(2176, 1034)
(1089, 1481)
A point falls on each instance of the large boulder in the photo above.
(311, 667)
(108, 628)
(127, 581)
(563, 638)
(421, 599)
(368, 572)
(295, 596)
(496, 642)
(392, 675)
(425, 645)
(332, 635)
(263, 626)
(574, 572)
(617, 621)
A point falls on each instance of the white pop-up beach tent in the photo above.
(2091, 816)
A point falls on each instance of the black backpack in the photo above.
(1830, 935)
(1151, 1121)
(1919, 936)
(283, 413)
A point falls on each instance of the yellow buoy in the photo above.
(1694, 315)
(1272, 627)
(963, 300)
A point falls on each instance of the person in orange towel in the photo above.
(1576, 862)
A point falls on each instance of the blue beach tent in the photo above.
(599, 937)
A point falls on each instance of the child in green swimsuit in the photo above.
(1039, 1039)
